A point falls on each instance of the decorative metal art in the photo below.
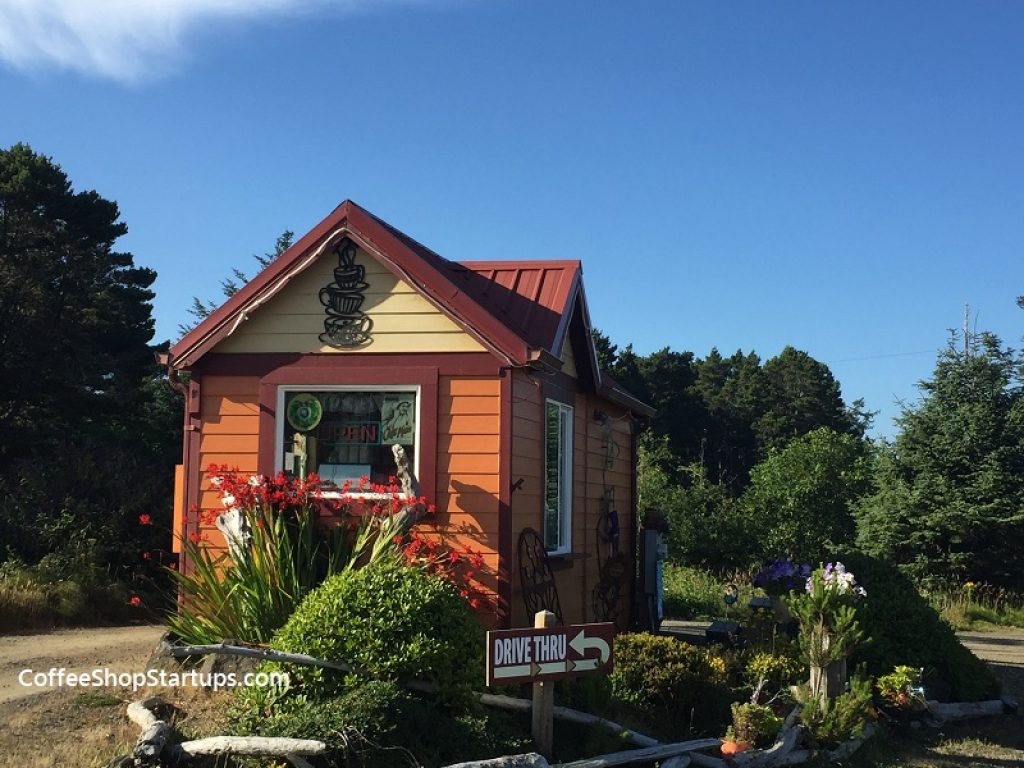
(345, 325)
(535, 576)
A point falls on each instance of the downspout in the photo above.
(175, 383)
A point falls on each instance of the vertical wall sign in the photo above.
(345, 325)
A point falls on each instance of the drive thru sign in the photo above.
(539, 654)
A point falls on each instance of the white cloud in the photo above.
(123, 39)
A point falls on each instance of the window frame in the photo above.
(280, 418)
(565, 497)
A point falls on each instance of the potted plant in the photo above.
(753, 725)
(901, 695)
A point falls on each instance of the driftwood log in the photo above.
(941, 712)
(155, 731)
(568, 715)
(152, 743)
(527, 760)
(262, 746)
(645, 755)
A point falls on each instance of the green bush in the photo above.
(839, 719)
(776, 669)
(902, 628)
(673, 683)
(378, 724)
(393, 622)
(753, 724)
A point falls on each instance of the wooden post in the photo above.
(544, 698)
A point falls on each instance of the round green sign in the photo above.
(304, 412)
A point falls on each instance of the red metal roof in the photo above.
(511, 330)
(516, 309)
(533, 298)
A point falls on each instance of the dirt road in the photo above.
(119, 649)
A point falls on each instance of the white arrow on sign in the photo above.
(581, 643)
(551, 668)
(521, 669)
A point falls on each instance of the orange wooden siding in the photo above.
(229, 412)
(576, 578)
(467, 470)
(467, 459)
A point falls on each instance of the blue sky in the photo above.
(838, 177)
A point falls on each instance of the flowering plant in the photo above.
(780, 577)
(284, 536)
(826, 611)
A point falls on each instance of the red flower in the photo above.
(135, 601)
(146, 555)
(144, 519)
(194, 537)
(173, 566)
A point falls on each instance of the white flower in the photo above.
(229, 501)
(255, 481)
(216, 481)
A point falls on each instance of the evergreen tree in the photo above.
(86, 430)
(949, 498)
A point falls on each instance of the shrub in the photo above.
(393, 622)
(378, 724)
(672, 682)
(777, 670)
(753, 724)
(833, 721)
(902, 628)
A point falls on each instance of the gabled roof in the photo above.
(521, 311)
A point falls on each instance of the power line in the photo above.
(879, 357)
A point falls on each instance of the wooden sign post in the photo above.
(544, 654)
(543, 723)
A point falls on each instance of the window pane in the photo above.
(552, 477)
(345, 435)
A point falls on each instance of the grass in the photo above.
(85, 730)
(695, 594)
(975, 606)
(31, 598)
(992, 743)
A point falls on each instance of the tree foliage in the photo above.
(88, 428)
(801, 498)
(949, 496)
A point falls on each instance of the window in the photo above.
(344, 433)
(557, 477)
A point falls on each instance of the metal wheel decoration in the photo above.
(345, 325)
(607, 593)
(535, 576)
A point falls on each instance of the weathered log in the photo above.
(570, 716)
(775, 754)
(263, 746)
(155, 731)
(943, 712)
(707, 761)
(645, 755)
(844, 750)
(527, 760)
(413, 511)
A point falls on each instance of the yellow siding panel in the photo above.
(403, 321)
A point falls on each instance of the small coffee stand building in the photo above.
(358, 337)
